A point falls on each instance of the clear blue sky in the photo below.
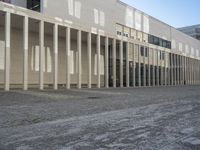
(177, 13)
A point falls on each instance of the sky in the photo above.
(177, 13)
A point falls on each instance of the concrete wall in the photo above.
(33, 59)
(93, 15)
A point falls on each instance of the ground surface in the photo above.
(166, 118)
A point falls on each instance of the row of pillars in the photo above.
(181, 70)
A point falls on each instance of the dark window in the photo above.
(158, 41)
(168, 45)
(146, 52)
(142, 51)
(164, 43)
(33, 5)
(125, 34)
(119, 33)
(150, 39)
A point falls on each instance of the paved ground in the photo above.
(142, 119)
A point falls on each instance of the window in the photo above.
(142, 51)
(150, 39)
(146, 52)
(164, 43)
(119, 33)
(168, 45)
(158, 41)
(33, 5)
(126, 35)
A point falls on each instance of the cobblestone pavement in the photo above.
(164, 118)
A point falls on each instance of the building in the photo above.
(193, 31)
(91, 43)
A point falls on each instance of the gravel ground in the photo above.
(164, 118)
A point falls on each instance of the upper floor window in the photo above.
(119, 33)
(158, 41)
(33, 5)
(146, 52)
(142, 51)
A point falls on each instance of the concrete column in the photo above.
(194, 62)
(68, 48)
(149, 68)
(41, 41)
(192, 71)
(127, 64)
(139, 68)
(89, 44)
(157, 70)
(98, 60)
(181, 70)
(133, 46)
(79, 46)
(169, 70)
(25, 45)
(55, 47)
(144, 67)
(172, 69)
(121, 63)
(196, 75)
(188, 70)
(178, 69)
(106, 62)
(198, 67)
(114, 62)
(175, 70)
(154, 83)
(190, 61)
(195, 71)
(185, 70)
(165, 69)
(161, 69)
(7, 51)
(198, 72)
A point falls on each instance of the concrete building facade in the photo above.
(79, 43)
